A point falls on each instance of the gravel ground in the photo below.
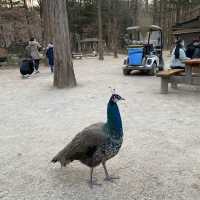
(160, 156)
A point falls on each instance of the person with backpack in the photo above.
(33, 51)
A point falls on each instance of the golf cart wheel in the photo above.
(126, 72)
(154, 69)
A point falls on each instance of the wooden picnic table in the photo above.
(190, 76)
(193, 62)
(191, 66)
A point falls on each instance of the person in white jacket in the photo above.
(178, 56)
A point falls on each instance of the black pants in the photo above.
(36, 64)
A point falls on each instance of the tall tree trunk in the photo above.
(109, 25)
(27, 16)
(115, 27)
(147, 6)
(178, 11)
(101, 57)
(155, 12)
(134, 11)
(115, 37)
(161, 13)
(47, 30)
(109, 34)
(64, 73)
(163, 20)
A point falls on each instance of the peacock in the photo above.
(97, 143)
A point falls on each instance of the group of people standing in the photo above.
(30, 64)
(180, 53)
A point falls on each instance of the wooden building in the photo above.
(187, 30)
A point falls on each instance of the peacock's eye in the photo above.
(118, 97)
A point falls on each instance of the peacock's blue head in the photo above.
(115, 98)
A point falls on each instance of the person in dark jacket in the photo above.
(26, 68)
(50, 56)
(196, 53)
(193, 49)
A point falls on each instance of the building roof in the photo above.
(186, 27)
(186, 31)
(187, 22)
(89, 40)
(150, 27)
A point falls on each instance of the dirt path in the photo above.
(160, 157)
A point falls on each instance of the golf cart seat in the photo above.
(148, 48)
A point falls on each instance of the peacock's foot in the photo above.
(93, 183)
(111, 178)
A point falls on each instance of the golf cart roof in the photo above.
(139, 28)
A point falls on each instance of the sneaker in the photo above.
(36, 71)
(26, 76)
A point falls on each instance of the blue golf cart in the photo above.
(144, 50)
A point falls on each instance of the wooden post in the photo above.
(164, 85)
(188, 70)
(174, 85)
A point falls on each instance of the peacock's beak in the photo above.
(122, 99)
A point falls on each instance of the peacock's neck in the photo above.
(114, 121)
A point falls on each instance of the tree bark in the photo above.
(155, 10)
(47, 30)
(178, 11)
(101, 57)
(146, 6)
(134, 9)
(64, 73)
(27, 15)
(115, 37)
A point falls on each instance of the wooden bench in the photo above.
(3, 54)
(77, 55)
(165, 78)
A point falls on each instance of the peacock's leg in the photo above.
(91, 173)
(108, 177)
(92, 182)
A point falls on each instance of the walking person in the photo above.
(34, 47)
(50, 56)
(178, 56)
